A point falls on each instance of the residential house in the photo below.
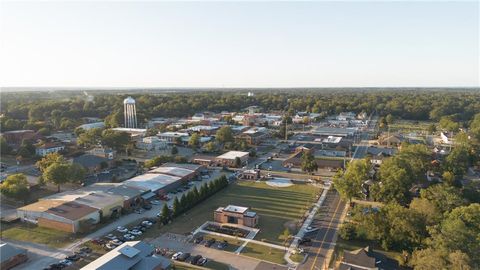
(47, 148)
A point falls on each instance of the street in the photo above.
(328, 221)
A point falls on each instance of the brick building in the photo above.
(233, 214)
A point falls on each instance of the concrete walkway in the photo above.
(306, 223)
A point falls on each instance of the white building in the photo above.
(48, 148)
(92, 125)
(171, 136)
(152, 143)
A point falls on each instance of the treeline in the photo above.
(66, 113)
(192, 198)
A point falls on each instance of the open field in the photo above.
(264, 253)
(32, 233)
(278, 208)
(407, 125)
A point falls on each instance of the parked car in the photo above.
(198, 240)
(73, 257)
(66, 262)
(135, 232)
(122, 229)
(195, 259)
(147, 206)
(98, 241)
(209, 242)
(304, 241)
(222, 245)
(129, 237)
(116, 242)
(147, 223)
(183, 257)
(86, 249)
(155, 202)
(202, 261)
(110, 236)
(311, 229)
(110, 246)
(175, 256)
(139, 210)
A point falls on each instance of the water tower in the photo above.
(130, 112)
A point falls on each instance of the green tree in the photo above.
(349, 183)
(458, 161)
(57, 174)
(90, 137)
(194, 141)
(210, 146)
(15, 186)
(238, 162)
(449, 178)
(431, 128)
(48, 160)
(394, 185)
(309, 164)
(224, 135)
(165, 214)
(176, 208)
(115, 119)
(5, 149)
(116, 140)
(77, 173)
(444, 197)
(174, 150)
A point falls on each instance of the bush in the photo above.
(347, 231)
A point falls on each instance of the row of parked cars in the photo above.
(111, 241)
(186, 257)
(211, 242)
(69, 260)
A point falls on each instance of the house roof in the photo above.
(100, 200)
(361, 257)
(151, 181)
(127, 192)
(71, 210)
(175, 171)
(235, 209)
(233, 155)
(126, 256)
(8, 251)
(41, 206)
(89, 161)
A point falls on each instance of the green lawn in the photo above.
(264, 253)
(298, 257)
(32, 233)
(277, 208)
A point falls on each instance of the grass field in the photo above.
(32, 233)
(264, 253)
(277, 207)
(406, 125)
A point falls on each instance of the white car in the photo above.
(176, 255)
(66, 262)
(122, 229)
(110, 236)
(155, 202)
(310, 229)
(129, 236)
(135, 232)
(147, 223)
(116, 242)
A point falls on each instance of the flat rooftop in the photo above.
(152, 181)
(175, 171)
(235, 209)
(233, 155)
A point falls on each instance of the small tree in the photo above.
(194, 141)
(176, 207)
(15, 186)
(57, 174)
(174, 150)
(308, 162)
(165, 215)
(238, 162)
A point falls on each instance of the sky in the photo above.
(239, 44)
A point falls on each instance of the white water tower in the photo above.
(130, 112)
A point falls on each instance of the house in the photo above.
(378, 154)
(93, 163)
(92, 125)
(48, 148)
(131, 255)
(307, 148)
(228, 159)
(391, 140)
(171, 137)
(60, 215)
(103, 152)
(233, 214)
(204, 160)
(253, 136)
(447, 138)
(366, 259)
(204, 130)
(11, 256)
(15, 137)
(152, 143)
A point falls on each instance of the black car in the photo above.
(183, 257)
(86, 249)
(73, 258)
(147, 206)
(222, 245)
(210, 242)
(198, 240)
(195, 259)
(305, 241)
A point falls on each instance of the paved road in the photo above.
(328, 221)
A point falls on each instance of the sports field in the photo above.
(277, 207)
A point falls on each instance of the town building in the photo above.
(15, 137)
(253, 136)
(335, 131)
(48, 148)
(172, 137)
(131, 255)
(228, 159)
(204, 130)
(11, 256)
(60, 215)
(205, 160)
(103, 152)
(249, 175)
(152, 143)
(89, 126)
(233, 214)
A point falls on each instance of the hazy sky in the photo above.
(239, 44)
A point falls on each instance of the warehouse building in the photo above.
(228, 159)
(157, 184)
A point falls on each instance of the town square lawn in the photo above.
(278, 208)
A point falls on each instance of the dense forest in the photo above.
(64, 109)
